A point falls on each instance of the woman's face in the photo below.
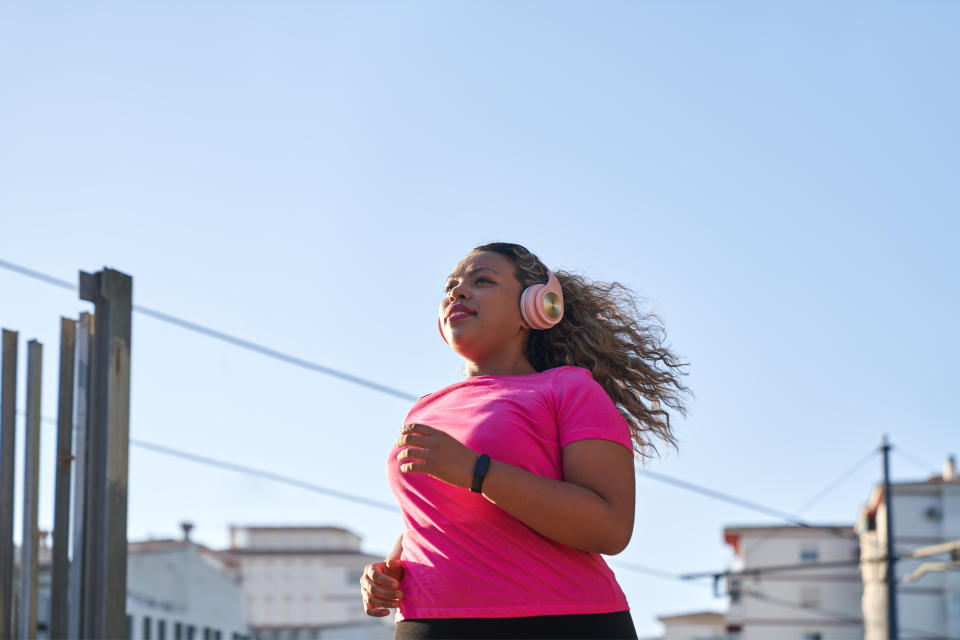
(480, 314)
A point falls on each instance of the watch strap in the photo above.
(480, 472)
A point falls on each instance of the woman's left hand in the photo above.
(433, 452)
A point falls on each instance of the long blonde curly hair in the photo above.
(604, 331)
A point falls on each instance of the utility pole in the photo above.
(892, 633)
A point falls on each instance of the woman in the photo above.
(513, 481)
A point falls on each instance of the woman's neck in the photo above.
(499, 366)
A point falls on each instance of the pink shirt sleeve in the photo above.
(584, 410)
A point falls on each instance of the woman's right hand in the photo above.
(381, 585)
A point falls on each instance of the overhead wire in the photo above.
(225, 337)
(820, 612)
(836, 615)
(818, 496)
(252, 471)
(726, 497)
(920, 463)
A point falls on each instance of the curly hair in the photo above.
(604, 331)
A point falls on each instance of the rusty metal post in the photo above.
(112, 294)
(30, 540)
(78, 552)
(61, 513)
(8, 440)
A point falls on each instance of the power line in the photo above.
(251, 471)
(820, 612)
(819, 495)
(836, 616)
(838, 480)
(260, 473)
(225, 337)
(828, 613)
(725, 497)
(650, 571)
(926, 466)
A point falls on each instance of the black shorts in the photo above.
(617, 625)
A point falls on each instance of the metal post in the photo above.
(61, 517)
(891, 578)
(94, 542)
(8, 431)
(29, 543)
(112, 293)
(75, 597)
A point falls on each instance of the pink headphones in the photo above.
(541, 305)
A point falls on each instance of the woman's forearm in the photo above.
(590, 509)
(567, 512)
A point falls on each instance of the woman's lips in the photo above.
(458, 315)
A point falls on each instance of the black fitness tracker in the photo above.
(480, 472)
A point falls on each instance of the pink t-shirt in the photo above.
(464, 557)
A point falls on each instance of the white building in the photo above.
(924, 514)
(304, 583)
(704, 625)
(179, 590)
(794, 602)
(176, 590)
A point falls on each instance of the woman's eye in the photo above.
(479, 280)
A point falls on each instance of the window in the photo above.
(190, 631)
(146, 627)
(129, 626)
(353, 577)
(207, 633)
(734, 589)
(161, 630)
(813, 635)
(177, 631)
(809, 554)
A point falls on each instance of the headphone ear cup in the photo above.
(528, 305)
(541, 305)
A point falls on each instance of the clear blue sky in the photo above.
(778, 179)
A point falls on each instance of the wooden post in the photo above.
(8, 441)
(29, 544)
(61, 516)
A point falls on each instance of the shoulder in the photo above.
(571, 386)
(571, 378)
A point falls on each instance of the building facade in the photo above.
(179, 590)
(304, 583)
(794, 601)
(176, 590)
(924, 514)
(704, 625)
